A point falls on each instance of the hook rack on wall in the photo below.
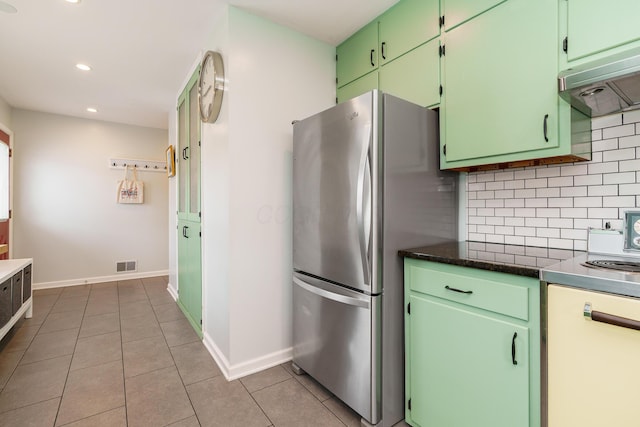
(141, 165)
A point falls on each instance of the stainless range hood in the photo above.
(609, 85)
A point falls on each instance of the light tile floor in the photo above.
(123, 354)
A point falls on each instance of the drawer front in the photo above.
(16, 294)
(467, 286)
(5, 302)
(26, 284)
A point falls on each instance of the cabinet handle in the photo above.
(544, 127)
(184, 232)
(611, 319)
(449, 288)
(371, 57)
(384, 44)
(186, 153)
(513, 348)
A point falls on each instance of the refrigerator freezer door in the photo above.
(332, 193)
(334, 336)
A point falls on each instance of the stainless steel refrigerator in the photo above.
(366, 183)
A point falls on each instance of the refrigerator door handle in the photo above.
(331, 295)
(363, 204)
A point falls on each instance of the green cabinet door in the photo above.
(415, 76)
(407, 25)
(358, 55)
(456, 12)
(189, 273)
(596, 25)
(462, 369)
(500, 95)
(358, 87)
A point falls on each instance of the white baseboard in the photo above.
(233, 372)
(99, 279)
(172, 292)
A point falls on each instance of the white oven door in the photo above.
(593, 366)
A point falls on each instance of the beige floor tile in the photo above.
(130, 283)
(104, 294)
(97, 350)
(113, 418)
(151, 282)
(99, 324)
(145, 355)
(314, 387)
(75, 291)
(61, 321)
(44, 301)
(91, 391)
(161, 298)
(347, 415)
(138, 328)
(21, 338)
(187, 422)
(35, 382)
(74, 303)
(157, 398)
(194, 362)
(41, 414)
(178, 332)
(8, 363)
(48, 346)
(50, 291)
(132, 295)
(104, 285)
(39, 314)
(265, 378)
(225, 404)
(136, 309)
(97, 306)
(289, 404)
(168, 312)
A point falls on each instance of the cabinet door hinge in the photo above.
(10, 213)
(336, 57)
(199, 143)
(336, 99)
(336, 81)
(565, 44)
(409, 404)
(444, 149)
(409, 308)
(442, 51)
(199, 233)
(200, 322)
(10, 152)
(441, 21)
(199, 214)
(441, 90)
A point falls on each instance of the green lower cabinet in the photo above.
(189, 273)
(466, 364)
(357, 87)
(415, 76)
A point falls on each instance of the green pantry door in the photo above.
(189, 235)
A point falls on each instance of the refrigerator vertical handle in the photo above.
(363, 204)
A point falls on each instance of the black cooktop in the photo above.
(628, 266)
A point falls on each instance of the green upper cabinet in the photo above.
(358, 55)
(357, 87)
(456, 12)
(406, 25)
(500, 101)
(188, 151)
(594, 25)
(415, 76)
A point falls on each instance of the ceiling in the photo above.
(140, 51)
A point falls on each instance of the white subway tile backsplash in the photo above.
(631, 117)
(606, 121)
(619, 178)
(621, 154)
(604, 145)
(602, 190)
(630, 141)
(573, 191)
(629, 189)
(554, 205)
(588, 180)
(618, 131)
(587, 202)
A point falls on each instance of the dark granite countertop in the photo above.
(512, 259)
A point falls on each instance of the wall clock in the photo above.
(210, 86)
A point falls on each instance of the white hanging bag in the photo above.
(130, 191)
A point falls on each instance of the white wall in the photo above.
(5, 113)
(65, 213)
(274, 75)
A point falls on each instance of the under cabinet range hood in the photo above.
(609, 85)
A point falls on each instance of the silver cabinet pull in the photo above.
(610, 319)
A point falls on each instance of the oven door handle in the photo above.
(610, 319)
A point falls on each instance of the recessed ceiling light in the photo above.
(92, 110)
(83, 67)
(73, 1)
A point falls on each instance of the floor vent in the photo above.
(126, 266)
